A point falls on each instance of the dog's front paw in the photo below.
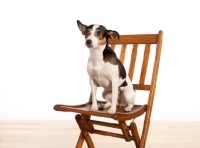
(94, 107)
(112, 110)
(122, 105)
(103, 106)
(128, 108)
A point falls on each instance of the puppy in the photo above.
(106, 70)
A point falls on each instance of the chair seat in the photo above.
(120, 114)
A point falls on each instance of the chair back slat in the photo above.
(144, 63)
(135, 39)
(133, 60)
(141, 87)
(113, 46)
(122, 54)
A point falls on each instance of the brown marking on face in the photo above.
(102, 41)
(99, 35)
(87, 33)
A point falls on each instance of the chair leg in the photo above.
(144, 133)
(80, 141)
(135, 134)
(125, 130)
(84, 133)
(88, 126)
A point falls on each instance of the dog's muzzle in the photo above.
(88, 43)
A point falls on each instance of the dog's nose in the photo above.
(88, 42)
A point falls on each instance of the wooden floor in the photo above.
(63, 134)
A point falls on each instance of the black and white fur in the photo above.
(106, 70)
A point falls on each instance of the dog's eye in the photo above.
(98, 33)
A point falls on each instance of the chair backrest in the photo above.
(148, 40)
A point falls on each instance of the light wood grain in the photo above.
(123, 51)
(64, 134)
(144, 64)
(132, 62)
(113, 46)
(152, 91)
(135, 39)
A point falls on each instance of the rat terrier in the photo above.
(106, 70)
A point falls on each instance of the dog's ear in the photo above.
(112, 34)
(82, 27)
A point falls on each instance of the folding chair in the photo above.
(128, 132)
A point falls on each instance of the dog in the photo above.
(106, 70)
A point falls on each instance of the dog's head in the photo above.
(96, 35)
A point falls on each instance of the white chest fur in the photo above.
(101, 72)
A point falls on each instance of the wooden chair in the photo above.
(128, 132)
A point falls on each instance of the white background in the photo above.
(43, 58)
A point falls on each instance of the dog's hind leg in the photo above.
(129, 96)
(121, 99)
(107, 95)
(103, 106)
